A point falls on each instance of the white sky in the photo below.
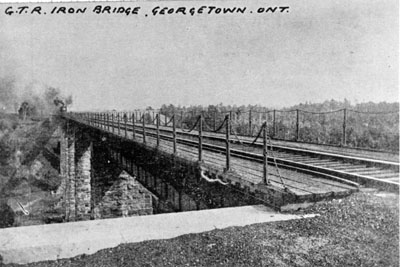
(318, 51)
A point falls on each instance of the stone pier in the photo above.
(122, 195)
(75, 170)
(82, 184)
(67, 171)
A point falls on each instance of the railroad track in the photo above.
(354, 168)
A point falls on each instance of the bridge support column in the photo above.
(67, 169)
(75, 170)
(83, 188)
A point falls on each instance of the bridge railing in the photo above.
(343, 127)
(121, 123)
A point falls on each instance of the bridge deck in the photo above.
(324, 149)
(371, 166)
(346, 151)
(305, 186)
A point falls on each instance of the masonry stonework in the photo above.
(63, 164)
(75, 170)
(83, 189)
(126, 197)
(70, 189)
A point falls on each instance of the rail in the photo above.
(223, 138)
(112, 120)
(346, 127)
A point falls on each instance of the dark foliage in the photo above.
(365, 125)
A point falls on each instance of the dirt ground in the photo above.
(360, 230)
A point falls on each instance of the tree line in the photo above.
(363, 125)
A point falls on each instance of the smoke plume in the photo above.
(16, 88)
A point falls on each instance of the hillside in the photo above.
(27, 177)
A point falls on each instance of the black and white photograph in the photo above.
(199, 133)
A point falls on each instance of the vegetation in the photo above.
(365, 125)
(21, 147)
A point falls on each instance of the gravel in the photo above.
(360, 230)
